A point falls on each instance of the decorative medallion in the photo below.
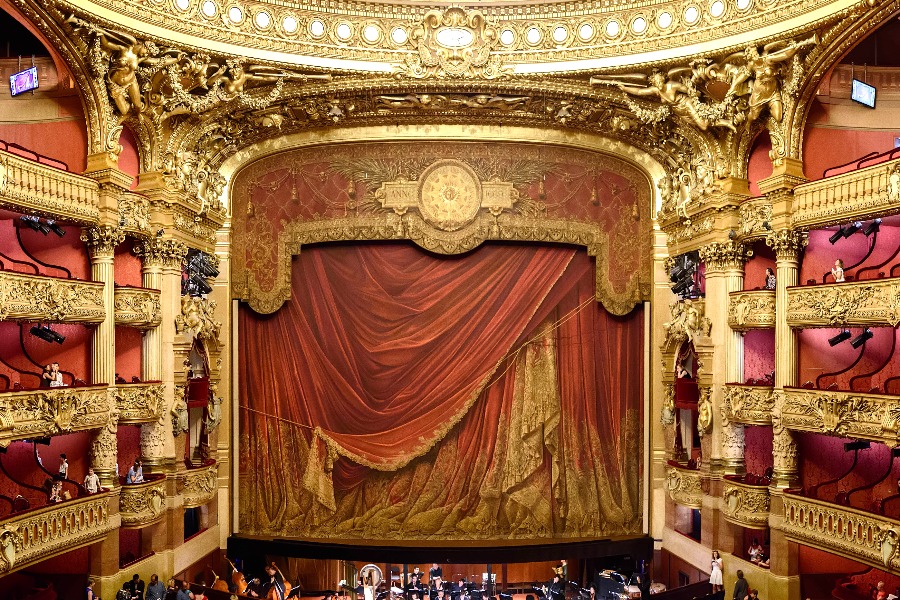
(449, 195)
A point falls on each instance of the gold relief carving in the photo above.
(197, 228)
(214, 408)
(755, 215)
(134, 212)
(200, 485)
(162, 252)
(668, 408)
(847, 414)
(862, 536)
(102, 240)
(47, 412)
(139, 402)
(749, 404)
(684, 486)
(37, 298)
(725, 255)
(142, 504)
(197, 320)
(137, 307)
(787, 243)
(689, 230)
(705, 410)
(751, 310)
(179, 412)
(688, 324)
(867, 302)
(476, 102)
(746, 505)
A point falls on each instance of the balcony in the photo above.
(200, 485)
(44, 412)
(137, 307)
(858, 415)
(852, 303)
(40, 298)
(745, 504)
(749, 404)
(860, 194)
(865, 537)
(139, 402)
(685, 485)
(143, 504)
(37, 535)
(751, 310)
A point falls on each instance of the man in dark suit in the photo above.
(135, 587)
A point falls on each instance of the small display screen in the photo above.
(863, 93)
(23, 81)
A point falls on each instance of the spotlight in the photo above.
(857, 445)
(55, 228)
(836, 235)
(202, 263)
(684, 286)
(195, 285)
(34, 223)
(844, 335)
(48, 335)
(852, 228)
(861, 338)
(872, 227)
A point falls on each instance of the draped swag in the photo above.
(401, 395)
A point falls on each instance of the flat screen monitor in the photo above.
(23, 81)
(863, 93)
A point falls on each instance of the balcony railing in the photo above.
(685, 485)
(200, 485)
(746, 504)
(847, 414)
(749, 404)
(137, 307)
(51, 411)
(142, 504)
(139, 402)
(40, 298)
(37, 535)
(751, 310)
(852, 303)
(30, 187)
(865, 537)
(868, 192)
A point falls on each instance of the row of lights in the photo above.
(846, 335)
(845, 232)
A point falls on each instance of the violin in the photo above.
(218, 583)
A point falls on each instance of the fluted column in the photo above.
(101, 242)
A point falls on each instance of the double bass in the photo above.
(237, 578)
(219, 583)
(272, 594)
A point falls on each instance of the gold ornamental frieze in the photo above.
(847, 414)
(199, 485)
(40, 298)
(752, 309)
(137, 307)
(755, 218)
(745, 505)
(749, 404)
(865, 537)
(51, 411)
(139, 402)
(851, 303)
(31, 537)
(142, 504)
(685, 486)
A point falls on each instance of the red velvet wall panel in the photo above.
(20, 464)
(127, 265)
(823, 458)
(825, 147)
(760, 165)
(817, 358)
(129, 161)
(64, 140)
(68, 252)
(758, 448)
(128, 352)
(73, 355)
(128, 438)
(755, 268)
(759, 353)
(820, 254)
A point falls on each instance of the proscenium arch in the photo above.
(412, 227)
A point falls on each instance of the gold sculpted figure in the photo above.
(234, 76)
(127, 55)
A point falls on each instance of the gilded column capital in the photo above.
(787, 243)
(102, 240)
(161, 252)
(721, 256)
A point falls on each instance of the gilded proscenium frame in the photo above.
(874, 417)
(142, 504)
(137, 307)
(51, 411)
(869, 302)
(40, 298)
(749, 404)
(745, 505)
(751, 309)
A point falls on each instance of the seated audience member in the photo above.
(755, 550)
(56, 492)
(63, 467)
(135, 473)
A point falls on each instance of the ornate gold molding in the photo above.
(873, 417)
(161, 252)
(729, 255)
(755, 216)
(865, 537)
(753, 309)
(137, 307)
(684, 486)
(38, 298)
(139, 402)
(867, 302)
(200, 485)
(46, 412)
(103, 239)
(746, 505)
(142, 504)
(749, 404)
(787, 243)
(689, 323)
(197, 320)
(38, 535)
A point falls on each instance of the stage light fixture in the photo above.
(195, 285)
(42, 333)
(852, 228)
(683, 287)
(872, 227)
(836, 236)
(844, 335)
(34, 223)
(857, 445)
(55, 228)
(861, 338)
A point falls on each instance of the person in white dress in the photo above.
(715, 574)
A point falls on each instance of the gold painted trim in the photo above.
(852, 303)
(751, 309)
(142, 504)
(745, 505)
(139, 402)
(40, 298)
(749, 404)
(874, 417)
(51, 411)
(138, 307)
(685, 486)
(200, 485)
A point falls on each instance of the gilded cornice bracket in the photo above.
(725, 256)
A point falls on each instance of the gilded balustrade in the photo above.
(749, 404)
(27, 186)
(40, 298)
(865, 537)
(745, 504)
(754, 309)
(139, 402)
(142, 504)
(51, 411)
(37, 535)
(852, 303)
(870, 192)
(199, 485)
(137, 307)
(684, 485)
(847, 414)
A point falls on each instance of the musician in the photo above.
(275, 581)
(415, 583)
(435, 576)
(459, 590)
(556, 589)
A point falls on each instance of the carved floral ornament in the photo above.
(684, 486)
(725, 255)
(746, 505)
(33, 297)
(688, 324)
(139, 403)
(866, 416)
(199, 486)
(143, 503)
(868, 302)
(749, 405)
(51, 412)
(751, 310)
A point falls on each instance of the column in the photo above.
(101, 242)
